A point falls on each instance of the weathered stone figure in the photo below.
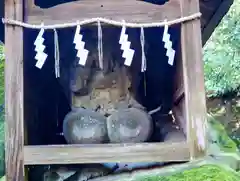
(102, 103)
(83, 126)
(129, 125)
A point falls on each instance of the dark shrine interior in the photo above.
(46, 98)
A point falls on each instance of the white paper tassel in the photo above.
(168, 45)
(39, 48)
(142, 40)
(100, 46)
(82, 53)
(56, 54)
(128, 53)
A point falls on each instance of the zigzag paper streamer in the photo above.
(168, 45)
(82, 53)
(128, 53)
(39, 48)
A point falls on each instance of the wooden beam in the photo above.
(29, 4)
(139, 152)
(178, 78)
(14, 92)
(178, 95)
(179, 87)
(179, 114)
(193, 77)
(216, 19)
(128, 10)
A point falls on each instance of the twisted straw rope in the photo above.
(103, 20)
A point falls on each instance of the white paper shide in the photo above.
(82, 53)
(128, 53)
(168, 45)
(39, 48)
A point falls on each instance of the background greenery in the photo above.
(203, 173)
(221, 65)
(2, 134)
(222, 55)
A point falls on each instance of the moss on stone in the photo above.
(219, 136)
(206, 172)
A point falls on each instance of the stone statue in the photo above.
(102, 103)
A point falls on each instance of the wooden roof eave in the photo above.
(216, 18)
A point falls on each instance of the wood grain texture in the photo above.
(179, 112)
(128, 10)
(14, 92)
(178, 96)
(29, 4)
(193, 76)
(139, 152)
(178, 78)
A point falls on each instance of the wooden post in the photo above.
(14, 92)
(193, 76)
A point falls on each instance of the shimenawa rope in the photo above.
(103, 20)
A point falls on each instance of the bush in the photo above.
(222, 55)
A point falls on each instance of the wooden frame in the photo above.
(193, 76)
(85, 9)
(14, 92)
(18, 155)
(141, 152)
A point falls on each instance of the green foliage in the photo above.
(1, 75)
(2, 150)
(219, 135)
(222, 55)
(1, 52)
(206, 172)
(3, 178)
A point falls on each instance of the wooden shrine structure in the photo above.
(189, 98)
